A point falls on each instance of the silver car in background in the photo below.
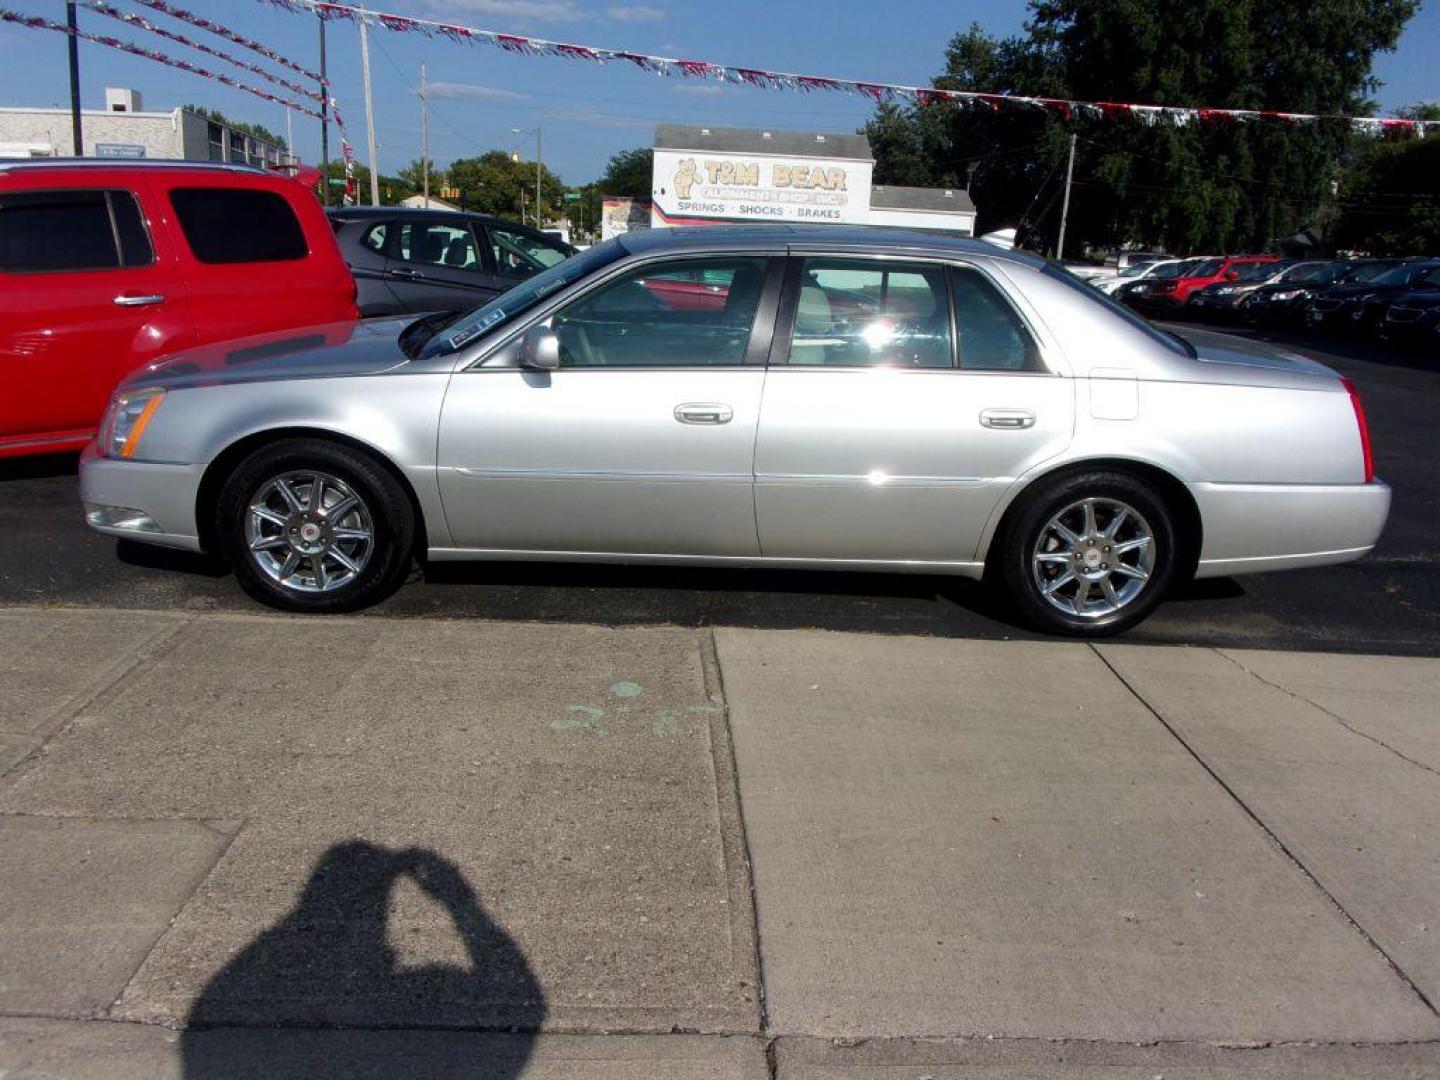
(816, 397)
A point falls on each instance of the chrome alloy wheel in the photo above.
(309, 531)
(1093, 558)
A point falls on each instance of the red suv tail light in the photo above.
(1363, 426)
(1165, 286)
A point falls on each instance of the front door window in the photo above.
(693, 312)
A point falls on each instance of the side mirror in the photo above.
(540, 349)
(1231, 274)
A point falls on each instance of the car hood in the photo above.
(1424, 300)
(364, 347)
(1214, 348)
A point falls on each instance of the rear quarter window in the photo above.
(238, 225)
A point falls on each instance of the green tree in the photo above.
(1205, 186)
(497, 183)
(629, 173)
(1390, 195)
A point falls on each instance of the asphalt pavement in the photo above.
(1388, 602)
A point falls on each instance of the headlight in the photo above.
(126, 420)
(1288, 294)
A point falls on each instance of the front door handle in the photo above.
(405, 271)
(1012, 419)
(704, 412)
(127, 300)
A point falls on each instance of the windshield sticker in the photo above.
(468, 334)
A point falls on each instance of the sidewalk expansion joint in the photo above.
(158, 645)
(1270, 833)
(1333, 716)
(715, 688)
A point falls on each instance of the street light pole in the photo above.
(424, 139)
(1065, 206)
(77, 139)
(369, 108)
(324, 120)
(539, 217)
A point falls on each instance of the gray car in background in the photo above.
(816, 397)
(409, 261)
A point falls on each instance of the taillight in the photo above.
(1166, 286)
(1363, 426)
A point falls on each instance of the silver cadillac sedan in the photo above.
(816, 397)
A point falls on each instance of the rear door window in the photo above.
(58, 231)
(435, 244)
(238, 225)
(858, 313)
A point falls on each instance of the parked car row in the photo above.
(1397, 300)
(680, 396)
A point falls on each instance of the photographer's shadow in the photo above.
(328, 975)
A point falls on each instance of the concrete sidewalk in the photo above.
(502, 850)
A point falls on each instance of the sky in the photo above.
(586, 112)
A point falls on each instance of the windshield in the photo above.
(1368, 272)
(1172, 270)
(1260, 272)
(1205, 268)
(1400, 275)
(1173, 342)
(505, 307)
(1313, 272)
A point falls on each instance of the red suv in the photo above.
(106, 266)
(1166, 297)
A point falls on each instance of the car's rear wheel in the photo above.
(1089, 554)
(313, 526)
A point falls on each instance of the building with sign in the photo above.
(705, 175)
(123, 129)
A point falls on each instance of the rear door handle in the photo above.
(1012, 419)
(704, 412)
(405, 271)
(126, 300)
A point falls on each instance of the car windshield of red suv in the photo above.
(1206, 268)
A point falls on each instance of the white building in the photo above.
(123, 129)
(706, 175)
(922, 208)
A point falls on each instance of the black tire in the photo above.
(387, 555)
(1028, 525)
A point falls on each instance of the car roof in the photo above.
(360, 213)
(22, 165)
(876, 238)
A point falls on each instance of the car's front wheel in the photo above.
(314, 526)
(1089, 554)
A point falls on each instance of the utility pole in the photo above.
(324, 120)
(1065, 206)
(424, 139)
(369, 108)
(289, 138)
(77, 139)
(539, 217)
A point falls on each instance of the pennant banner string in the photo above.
(143, 23)
(225, 32)
(34, 22)
(1149, 115)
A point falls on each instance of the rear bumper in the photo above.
(1252, 528)
(163, 495)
